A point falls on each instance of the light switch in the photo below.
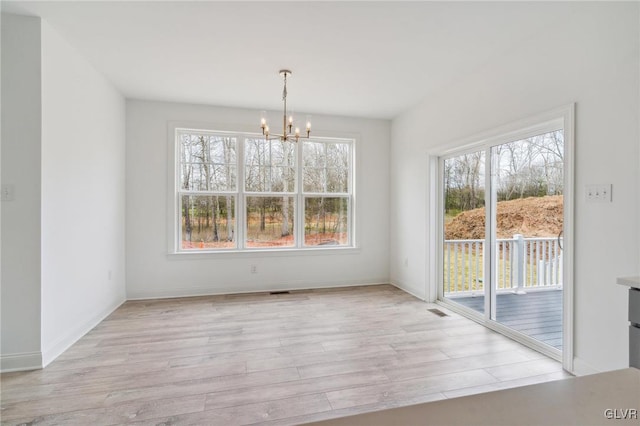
(598, 193)
(6, 192)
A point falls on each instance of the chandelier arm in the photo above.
(288, 135)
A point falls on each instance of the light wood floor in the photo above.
(275, 359)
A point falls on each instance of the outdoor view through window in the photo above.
(240, 191)
(524, 286)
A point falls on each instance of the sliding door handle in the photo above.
(560, 239)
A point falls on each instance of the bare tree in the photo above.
(530, 167)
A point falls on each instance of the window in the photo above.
(326, 174)
(238, 191)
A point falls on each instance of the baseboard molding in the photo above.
(407, 289)
(64, 342)
(582, 368)
(21, 362)
(250, 288)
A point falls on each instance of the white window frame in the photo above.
(348, 195)
(178, 192)
(241, 194)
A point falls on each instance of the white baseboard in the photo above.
(249, 288)
(411, 290)
(72, 336)
(20, 362)
(582, 368)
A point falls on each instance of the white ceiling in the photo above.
(369, 59)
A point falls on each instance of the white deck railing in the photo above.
(522, 264)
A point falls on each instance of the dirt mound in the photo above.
(531, 217)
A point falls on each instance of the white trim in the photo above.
(568, 239)
(261, 253)
(355, 215)
(406, 289)
(435, 234)
(253, 288)
(435, 210)
(25, 361)
(172, 193)
(583, 368)
(490, 300)
(241, 200)
(463, 310)
(72, 336)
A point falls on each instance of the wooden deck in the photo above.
(536, 314)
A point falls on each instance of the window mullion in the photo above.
(350, 190)
(240, 197)
(299, 207)
(177, 171)
(324, 169)
(269, 165)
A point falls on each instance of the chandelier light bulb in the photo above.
(288, 132)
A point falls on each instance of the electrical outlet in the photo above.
(254, 269)
(598, 193)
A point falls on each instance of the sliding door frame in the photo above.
(564, 118)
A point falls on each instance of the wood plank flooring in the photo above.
(536, 314)
(269, 359)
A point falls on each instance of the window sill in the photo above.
(325, 251)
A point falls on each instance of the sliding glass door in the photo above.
(465, 229)
(502, 246)
(527, 206)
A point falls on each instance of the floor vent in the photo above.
(437, 312)
(279, 292)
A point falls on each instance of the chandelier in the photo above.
(289, 132)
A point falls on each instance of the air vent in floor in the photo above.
(437, 312)
(278, 292)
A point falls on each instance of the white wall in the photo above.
(63, 136)
(83, 196)
(152, 273)
(20, 341)
(592, 59)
